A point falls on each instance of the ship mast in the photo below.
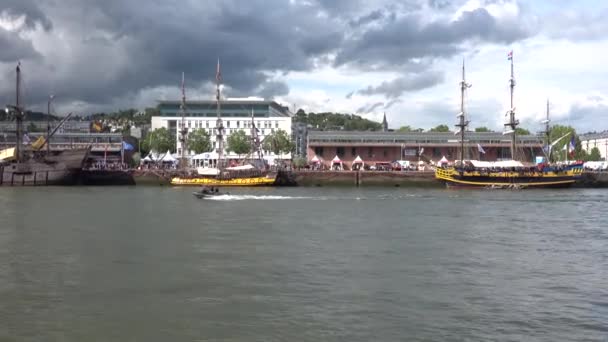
(219, 138)
(18, 113)
(48, 126)
(183, 132)
(512, 124)
(462, 123)
(547, 133)
(255, 142)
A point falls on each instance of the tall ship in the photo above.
(252, 172)
(511, 173)
(36, 163)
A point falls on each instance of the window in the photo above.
(353, 151)
(385, 152)
(227, 123)
(369, 152)
(340, 152)
(207, 124)
(436, 152)
(238, 124)
(276, 124)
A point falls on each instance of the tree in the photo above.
(441, 128)
(278, 142)
(565, 133)
(482, 129)
(405, 129)
(594, 155)
(336, 121)
(299, 162)
(239, 143)
(199, 141)
(521, 131)
(159, 140)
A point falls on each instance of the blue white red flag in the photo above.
(572, 146)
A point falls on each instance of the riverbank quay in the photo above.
(593, 179)
(590, 179)
(365, 178)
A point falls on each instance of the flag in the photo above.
(510, 55)
(218, 73)
(127, 147)
(421, 150)
(480, 149)
(572, 146)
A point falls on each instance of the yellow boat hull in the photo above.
(201, 181)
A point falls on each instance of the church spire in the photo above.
(384, 123)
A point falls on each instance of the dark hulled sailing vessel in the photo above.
(32, 164)
(509, 173)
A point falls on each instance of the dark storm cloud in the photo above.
(369, 108)
(105, 53)
(28, 8)
(368, 18)
(113, 49)
(409, 37)
(395, 88)
(270, 89)
(586, 117)
(392, 103)
(12, 47)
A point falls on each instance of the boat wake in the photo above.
(253, 197)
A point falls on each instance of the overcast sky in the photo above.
(402, 57)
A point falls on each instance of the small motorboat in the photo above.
(206, 193)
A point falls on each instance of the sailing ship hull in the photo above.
(508, 180)
(242, 182)
(61, 168)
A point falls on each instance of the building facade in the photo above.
(385, 147)
(268, 117)
(299, 132)
(599, 140)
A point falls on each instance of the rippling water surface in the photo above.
(303, 264)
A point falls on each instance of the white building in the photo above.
(599, 140)
(269, 116)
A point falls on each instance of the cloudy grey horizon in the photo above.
(402, 58)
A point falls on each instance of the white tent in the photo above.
(315, 160)
(443, 160)
(358, 163)
(168, 158)
(503, 163)
(336, 163)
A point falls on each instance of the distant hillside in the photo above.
(337, 121)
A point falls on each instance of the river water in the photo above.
(303, 264)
